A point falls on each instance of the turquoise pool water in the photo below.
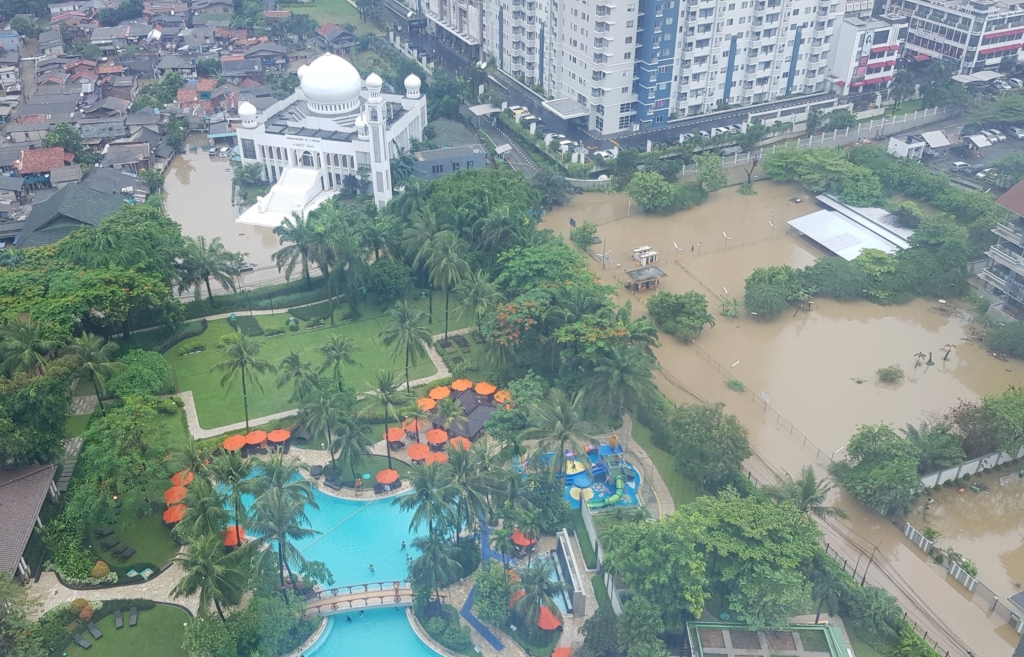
(378, 632)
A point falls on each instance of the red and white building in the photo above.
(864, 56)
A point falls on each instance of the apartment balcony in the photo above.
(1009, 232)
(1006, 258)
(989, 275)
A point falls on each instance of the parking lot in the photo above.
(987, 157)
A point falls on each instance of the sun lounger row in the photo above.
(133, 618)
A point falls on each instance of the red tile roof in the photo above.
(109, 70)
(233, 58)
(41, 160)
(247, 83)
(325, 29)
(278, 14)
(29, 119)
(1013, 199)
(206, 84)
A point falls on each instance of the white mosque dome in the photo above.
(373, 81)
(412, 83)
(330, 79)
(247, 111)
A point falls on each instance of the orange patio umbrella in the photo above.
(279, 435)
(387, 476)
(436, 457)
(426, 404)
(561, 652)
(234, 443)
(175, 494)
(484, 388)
(418, 452)
(546, 619)
(394, 434)
(459, 442)
(515, 596)
(255, 437)
(183, 478)
(437, 436)
(174, 513)
(521, 539)
(233, 535)
(461, 384)
(415, 425)
(440, 392)
(502, 396)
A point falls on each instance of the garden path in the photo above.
(50, 592)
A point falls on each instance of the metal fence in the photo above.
(917, 538)
(609, 581)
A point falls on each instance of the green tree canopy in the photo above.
(682, 315)
(880, 469)
(709, 444)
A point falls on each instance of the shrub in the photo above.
(682, 315)
(286, 295)
(86, 614)
(165, 406)
(389, 279)
(189, 330)
(448, 632)
(191, 348)
(271, 332)
(1007, 339)
(78, 604)
(735, 385)
(101, 569)
(248, 325)
(147, 373)
(322, 309)
(890, 374)
(315, 323)
(492, 594)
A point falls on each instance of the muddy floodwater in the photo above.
(810, 376)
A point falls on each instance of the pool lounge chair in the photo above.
(82, 642)
(94, 631)
(126, 555)
(100, 533)
(107, 545)
(133, 616)
(118, 551)
(118, 620)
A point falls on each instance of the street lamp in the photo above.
(831, 458)
(732, 366)
(727, 238)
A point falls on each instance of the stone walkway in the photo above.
(83, 404)
(51, 592)
(70, 459)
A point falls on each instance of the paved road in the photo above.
(519, 160)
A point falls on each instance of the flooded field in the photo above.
(817, 369)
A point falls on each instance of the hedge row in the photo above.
(248, 325)
(320, 310)
(273, 297)
(189, 330)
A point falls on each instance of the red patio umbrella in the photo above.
(521, 539)
(233, 535)
(426, 403)
(183, 478)
(436, 457)
(394, 434)
(484, 388)
(437, 436)
(547, 620)
(387, 476)
(418, 452)
(412, 426)
(174, 513)
(461, 384)
(459, 442)
(234, 443)
(561, 652)
(440, 392)
(279, 435)
(175, 494)
(255, 437)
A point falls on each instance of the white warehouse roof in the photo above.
(839, 235)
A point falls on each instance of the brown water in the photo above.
(817, 369)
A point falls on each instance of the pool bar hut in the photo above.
(644, 278)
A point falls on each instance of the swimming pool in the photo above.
(379, 631)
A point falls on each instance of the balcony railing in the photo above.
(992, 277)
(1006, 258)
(1008, 232)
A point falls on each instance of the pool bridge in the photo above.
(340, 599)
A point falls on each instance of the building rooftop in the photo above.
(644, 274)
(447, 153)
(22, 493)
(1013, 199)
(69, 209)
(41, 160)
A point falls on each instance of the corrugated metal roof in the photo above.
(839, 235)
(935, 139)
(1013, 199)
(22, 493)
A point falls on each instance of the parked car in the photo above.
(999, 135)
(685, 137)
(719, 131)
(607, 155)
(736, 129)
(705, 134)
(1016, 83)
(959, 167)
(960, 151)
(1017, 132)
(981, 175)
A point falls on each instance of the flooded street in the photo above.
(817, 371)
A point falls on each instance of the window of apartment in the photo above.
(654, 77)
(728, 21)
(629, 39)
(599, 123)
(623, 123)
(469, 164)
(625, 107)
(437, 168)
(627, 55)
(630, 7)
(663, 69)
(661, 103)
(703, 43)
(629, 23)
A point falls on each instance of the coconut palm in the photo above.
(557, 423)
(323, 411)
(95, 359)
(217, 575)
(389, 396)
(877, 612)
(411, 201)
(278, 519)
(417, 415)
(402, 167)
(242, 360)
(529, 523)
(285, 475)
(478, 294)
(806, 492)
(621, 379)
(25, 347)
(430, 501)
(540, 586)
(407, 334)
(295, 234)
(351, 445)
(939, 447)
(299, 373)
(828, 586)
(337, 352)
(501, 541)
(449, 411)
(447, 266)
(650, 648)
(373, 234)
(436, 566)
(201, 261)
(205, 511)
(233, 471)
(418, 239)
(473, 482)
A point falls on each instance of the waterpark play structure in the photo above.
(610, 480)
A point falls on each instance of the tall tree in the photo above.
(26, 348)
(431, 499)
(407, 334)
(295, 234)
(478, 294)
(323, 411)
(389, 398)
(418, 239)
(217, 575)
(299, 373)
(806, 492)
(558, 424)
(95, 359)
(540, 586)
(448, 412)
(278, 520)
(447, 266)
(201, 262)
(902, 88)
(621, 379)
(285, 475)
(436, 566)
(233, 471)
(475, 479)
(351, 446)
(242, 360)
(205, 512)
(337, 352)
(710, 445)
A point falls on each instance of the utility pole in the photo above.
(870, 561)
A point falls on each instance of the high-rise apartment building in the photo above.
(864, 56)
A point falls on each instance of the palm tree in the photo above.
(242, 358)
(540, 586)
(25, 347)
(95, 359)
(473, 483)
(205, 512)
(828, 586)
(351, 443)
(373, 234)
(411, 201)
(389, 396)
(204, 261)
(430, 501)
(402, 167)
(621, 379)
(650, 648)
(806, 492)
(337, 352)
(299, 373)
(939, 447)
(877, 612)
(447, 266)
(323, 412)
(279, 519)
(285, 475)
(435, 566)
(417, 415)
(501, 540)
(418, 240)
(233, 471)
(407, 334)
(529, 523)
(299, 232)
(478, 295)
(216, 574)
(558, 424)
(448, 412)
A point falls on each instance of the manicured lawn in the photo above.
(217, 406)
(814, 641)
(537, 646)
(75, 425)
(589, 557)
(683, 490)
(600, 591)
(337, 12)
(149, 536)
(860, 647)
(159, 633)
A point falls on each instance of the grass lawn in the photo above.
(859, 645)
(600, 591)
(683, 490)
(589, 557)
(527, 643)
(75, 425)
(149, 536)
(217, 406)
(337, 12)
(814, 640)
(159, 633)
(376, 463)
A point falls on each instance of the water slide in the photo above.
(611, 500)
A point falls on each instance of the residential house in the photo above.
(212, 7)
(74, 206)
(10, 73)
(334, 39)
(10, 40)
(97, 132)
(108, 107)
(272, 56)
(236, 68)
(63, 176)
(183, 65)
(277, 14)
(125, 87)
(152, 8)
(34, 165)
(51, 42)
(196, 40)
(110, 39)
(9, 154)
(72, 20)
(116, 182)
(127, 156)
(167, 21)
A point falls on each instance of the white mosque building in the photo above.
(331, 127)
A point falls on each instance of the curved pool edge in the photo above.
(314, 638)
(422, 635)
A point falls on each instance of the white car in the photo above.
(999, 135)
(959, 167)
(607, 155)
(1017, 132)
(686, 137)
(989, 135)
(705, 134)
(735, 129)
(719, 131)
(981, 175)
